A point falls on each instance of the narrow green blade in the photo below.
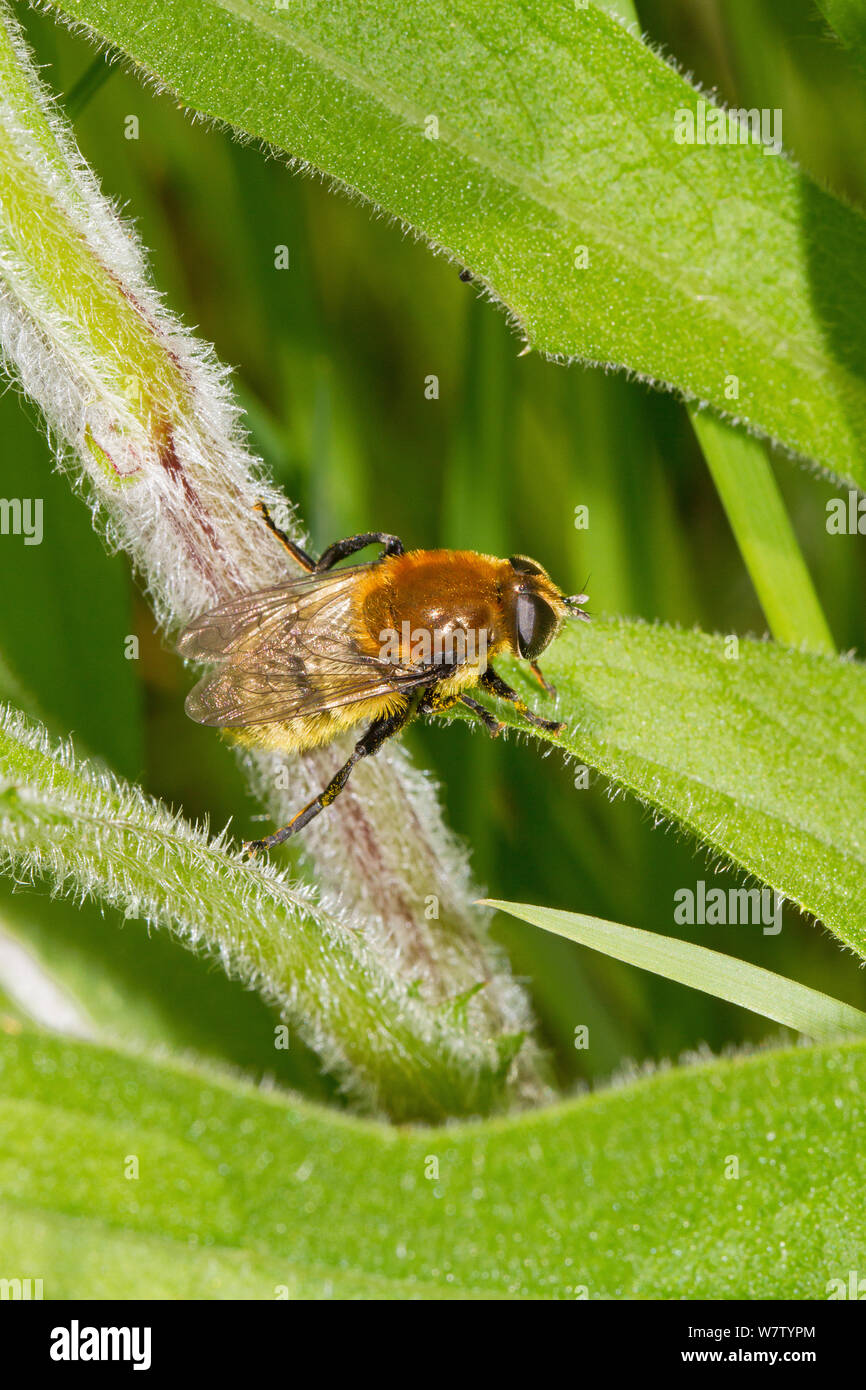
(785, 1001)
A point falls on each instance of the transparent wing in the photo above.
(252, 621)
(286, 652)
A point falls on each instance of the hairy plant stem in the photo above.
(143, 421)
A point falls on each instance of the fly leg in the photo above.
(376, 735)
(304, 560)
(539, 675)
(494, 685)
(434, 701)
(490, 722)
(392, 545)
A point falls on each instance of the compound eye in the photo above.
(536, 625)
(523, 565)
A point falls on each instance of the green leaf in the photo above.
(245, 1195)
(563, 139)
(750, 986)
(849, 21)
(141, 989)
(91, 835)
(754, 748)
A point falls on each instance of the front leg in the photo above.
(494, 685)
(546, 685)
(435, 701)
(296, 551)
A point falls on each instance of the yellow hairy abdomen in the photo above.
(314, 730)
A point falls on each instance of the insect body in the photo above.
(408, 634)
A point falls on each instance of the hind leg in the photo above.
(377, 734)
(340, 550)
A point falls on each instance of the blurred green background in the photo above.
(331, 357)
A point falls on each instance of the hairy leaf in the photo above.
(90, 835)
(754, 748)
(846, 17)
(536, 142)
(707, 1182)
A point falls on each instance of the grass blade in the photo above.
(785, 1001)
(751, 498)
(95, 75)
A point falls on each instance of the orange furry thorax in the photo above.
(432, 591)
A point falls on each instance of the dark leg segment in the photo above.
(376, 735)
(494, 685)
(334, 553)
(340, 549)
(434, 701)
(304, 560)
(491, 724)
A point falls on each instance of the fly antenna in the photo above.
(574, 603)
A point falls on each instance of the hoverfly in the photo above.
(409, 633)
